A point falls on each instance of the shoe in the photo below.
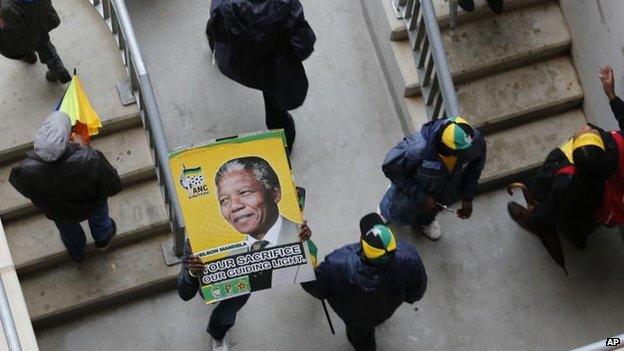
(219, 345)
(104, 245)
(30, 58)
(496, 6)
(384, 219)
(61, 75)
(521, 216)
(467, 5)
(432, 231)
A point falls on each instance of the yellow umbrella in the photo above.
(76, 105)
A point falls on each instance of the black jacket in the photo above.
(27, 23)
(69, 189)
(366, 295)
(261, 44)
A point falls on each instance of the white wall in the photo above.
(597, 28)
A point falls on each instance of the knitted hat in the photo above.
(378, 243)
(457, 135)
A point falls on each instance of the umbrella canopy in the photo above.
(552, 243)
(75, 103)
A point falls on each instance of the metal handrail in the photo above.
(8, 323)
(436, 83)
(453, 14)
(115, 15)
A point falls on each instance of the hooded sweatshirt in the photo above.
(27, 23)
(364, 294)
(66, 181)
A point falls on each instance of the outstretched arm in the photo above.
(608, 84)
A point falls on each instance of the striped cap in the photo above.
(378, 242)
(458, 134)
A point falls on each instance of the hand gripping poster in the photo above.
(242, 214)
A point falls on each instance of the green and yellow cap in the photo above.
(378, 242)
(458, 134)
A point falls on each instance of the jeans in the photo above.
(73, 235)
(361, 337)
(278, 118)
(223, 316)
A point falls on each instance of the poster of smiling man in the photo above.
(242, 214)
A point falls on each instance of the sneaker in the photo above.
(219, 345)
(496, 6)
(30, 58)
(432, 231)
(60, 75)
(384, 219)
(467, 5)
(521, 216)
(104, 245)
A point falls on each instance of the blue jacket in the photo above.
(261, 44)
(416, 171)
(364, 294)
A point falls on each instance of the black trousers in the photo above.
(223, 316)
(47, 55)
(361, 337)
(278, 118)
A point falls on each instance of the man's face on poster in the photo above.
(246, 203)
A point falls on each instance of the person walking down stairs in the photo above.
(430, 170)
(69, 182)
(24, 28)
(496, 5)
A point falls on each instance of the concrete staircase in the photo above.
(54, 287)
(513, 73)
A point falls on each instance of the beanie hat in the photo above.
(587, 152)
(378, 242)
(457, 135)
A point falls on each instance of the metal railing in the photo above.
(8, 323)
(453, 14)
(115, 14)
(436, 84)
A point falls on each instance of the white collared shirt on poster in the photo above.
(272, 236)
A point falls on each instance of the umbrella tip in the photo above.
(565, 271)
(75, 71)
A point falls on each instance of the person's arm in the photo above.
(187, 284)
(107, 177)
(14, 179)
(317, 288)
(607, 79)
(417, 284)
(400, 164)
(302, 37)
(470, 180)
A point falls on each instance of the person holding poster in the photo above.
(367, 281)
(223, 316)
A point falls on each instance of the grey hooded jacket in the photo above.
(67, 182)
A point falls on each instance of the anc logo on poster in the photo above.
(193, 181)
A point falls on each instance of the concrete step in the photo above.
(522, 149)
(27, 98)
(494, 44)
(520, 95)
(399, 31)
(135, 269)
(139, 211)
(127, 151)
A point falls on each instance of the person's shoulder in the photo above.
(407, 254)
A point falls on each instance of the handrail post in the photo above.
(8, 323)
(447, 87)
(453, 14)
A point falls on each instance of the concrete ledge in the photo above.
(127, 151)
(519, 150)
(139, 211)
(521, 95)
(131, 270)
(17, 303)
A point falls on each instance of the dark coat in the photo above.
(27, 23)
(416, 171)
(366, 295)
(69, 189)
(261, 44)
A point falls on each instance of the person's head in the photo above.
(52, 138)
(588, 150)
(248, 190)
(456, 138)
(378, 242)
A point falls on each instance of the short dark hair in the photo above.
(259, 167)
